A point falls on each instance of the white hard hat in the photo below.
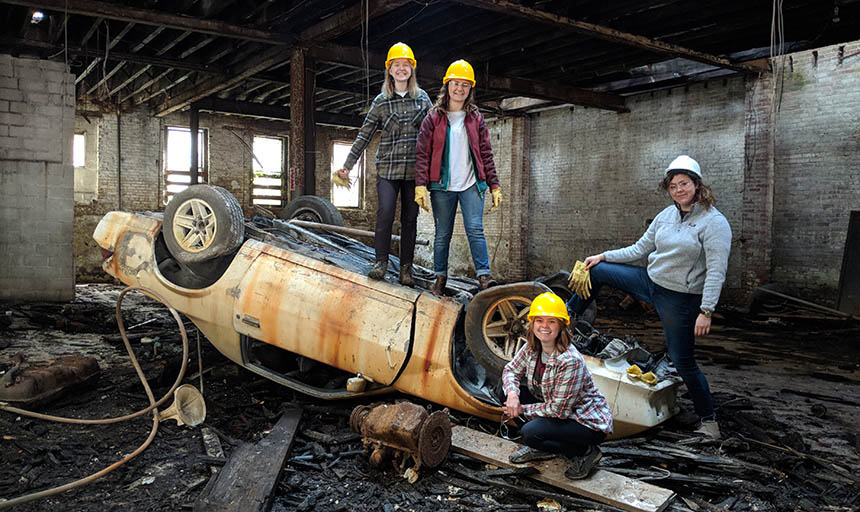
(684, 163)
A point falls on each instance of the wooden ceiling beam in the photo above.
(610, 34)
(513, 85)
(114, 11)
(274, 112)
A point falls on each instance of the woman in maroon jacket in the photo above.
(454, 161)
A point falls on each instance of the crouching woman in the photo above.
(549, 387)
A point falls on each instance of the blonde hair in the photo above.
(441, 105)
(561, 343)
(411, 85)
(704, 195)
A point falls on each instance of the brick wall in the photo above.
(36, 180)
(817, 169)
(594, 174)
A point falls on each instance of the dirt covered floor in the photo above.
(787, 391)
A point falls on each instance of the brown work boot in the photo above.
(439, 285)
(378, 270)
(406, 278)
(484, 281)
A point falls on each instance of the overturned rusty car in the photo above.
(287, 303)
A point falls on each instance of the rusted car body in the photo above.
(394, 337)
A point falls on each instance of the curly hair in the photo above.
(704, 195)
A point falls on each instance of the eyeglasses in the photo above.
(681, 184)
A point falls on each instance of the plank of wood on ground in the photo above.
(603, 486)
(247, 482)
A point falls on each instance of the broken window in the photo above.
(268, 168)
(341, 197)
(177, 160)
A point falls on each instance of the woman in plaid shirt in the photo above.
(398, 111)
(549, 387)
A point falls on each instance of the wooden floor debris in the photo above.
(249, 479)
(603, 486)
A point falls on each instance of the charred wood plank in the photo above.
(249, 479)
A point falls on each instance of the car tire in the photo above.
(495, 321)
(313, 209)
(201, 223)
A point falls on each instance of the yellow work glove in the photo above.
(634, 372)
(422, 197)
(580, 280)
(340, 178)
(497, 198)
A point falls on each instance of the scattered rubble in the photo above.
(785, 397)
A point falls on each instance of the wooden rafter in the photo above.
(610, 34)
(157, 18)
(517, 86)
(331, 27)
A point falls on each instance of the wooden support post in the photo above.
(518, 200)
(248, 480)
(194, 127)
(297, 123)
(310, 127)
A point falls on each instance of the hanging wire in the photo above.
(365, 50)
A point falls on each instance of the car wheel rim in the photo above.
(505, 325)
(308, 214)
(194, 225)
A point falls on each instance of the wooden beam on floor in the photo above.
(248, 481)
(610, 34)
(603, 486)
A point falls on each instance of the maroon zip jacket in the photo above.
(431, 145)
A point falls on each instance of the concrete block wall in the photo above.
(37, 114)
(594, 174)
(817, 168)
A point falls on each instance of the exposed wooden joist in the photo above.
(331, 27)
(610, 34)
(517, 86)
(347, 19)
(210, 86)
(157, 18)
(274, 112)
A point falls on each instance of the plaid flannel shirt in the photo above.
(399, 118)
(567, 388)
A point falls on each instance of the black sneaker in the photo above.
(581, 466)
(527, 454)
(378, 271)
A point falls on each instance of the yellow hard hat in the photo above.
(549, 304)
(400, 51)
(460, 70)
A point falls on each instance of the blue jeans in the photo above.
(555, 435)
(444, 210)
(678, 312)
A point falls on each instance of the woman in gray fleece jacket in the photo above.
(687, 246)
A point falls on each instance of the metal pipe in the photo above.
(345, 230)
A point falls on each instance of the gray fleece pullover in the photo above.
(688, 256)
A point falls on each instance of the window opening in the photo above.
(268, 168)
(341, 197)
(177, 160)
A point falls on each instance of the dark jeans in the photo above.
(386, 191)
(555, 435)
(678, 312)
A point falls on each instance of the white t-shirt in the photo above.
(402, 94)
(459, 158)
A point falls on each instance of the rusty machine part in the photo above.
(403, 427)
(37, 383)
